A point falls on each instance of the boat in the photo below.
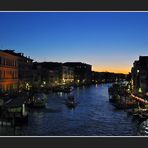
(143, 128)
(67, 89)
(37, 101)
(64, 89)
(71, 103)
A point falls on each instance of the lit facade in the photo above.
(67, 75)
(48, 74)
(24, 65)
(8, 72)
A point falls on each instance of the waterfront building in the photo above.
(40, 74)
(103, 77)
(139, 76)
(8, 72)
(54, 77)
(82, 72)
(48, 74)
(135, 85)
(25, 73)
(107, 77)
(67, 75)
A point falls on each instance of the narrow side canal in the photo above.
(93, 116)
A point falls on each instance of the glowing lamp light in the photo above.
(23, 110)
(42, 86)
(139, 90)
(63, 80)
(44, 82)
(27, 86)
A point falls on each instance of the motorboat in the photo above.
(70, 102)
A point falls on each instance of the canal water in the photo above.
(93, 116)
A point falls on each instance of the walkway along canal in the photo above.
(93, 116)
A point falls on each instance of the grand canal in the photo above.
(93, 116)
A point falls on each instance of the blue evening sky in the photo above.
(109, 41)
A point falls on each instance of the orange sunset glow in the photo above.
(123, 70)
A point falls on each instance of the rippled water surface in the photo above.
(93, 116)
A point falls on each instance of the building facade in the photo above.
(24, 65)
(82, 72)
(49, 74)
(139, 76)
(67, 75)
(46, 74)
(8, 72)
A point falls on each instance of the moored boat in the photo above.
(143, 128)
(65, 89)
(37, 101)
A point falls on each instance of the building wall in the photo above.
(46, 74)
(140, 75)
(39, 75)
(67, 75)
(24, 65)
(135, 77)
(8, 72)
(82, 72)
(25, 72)
(55, 77)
